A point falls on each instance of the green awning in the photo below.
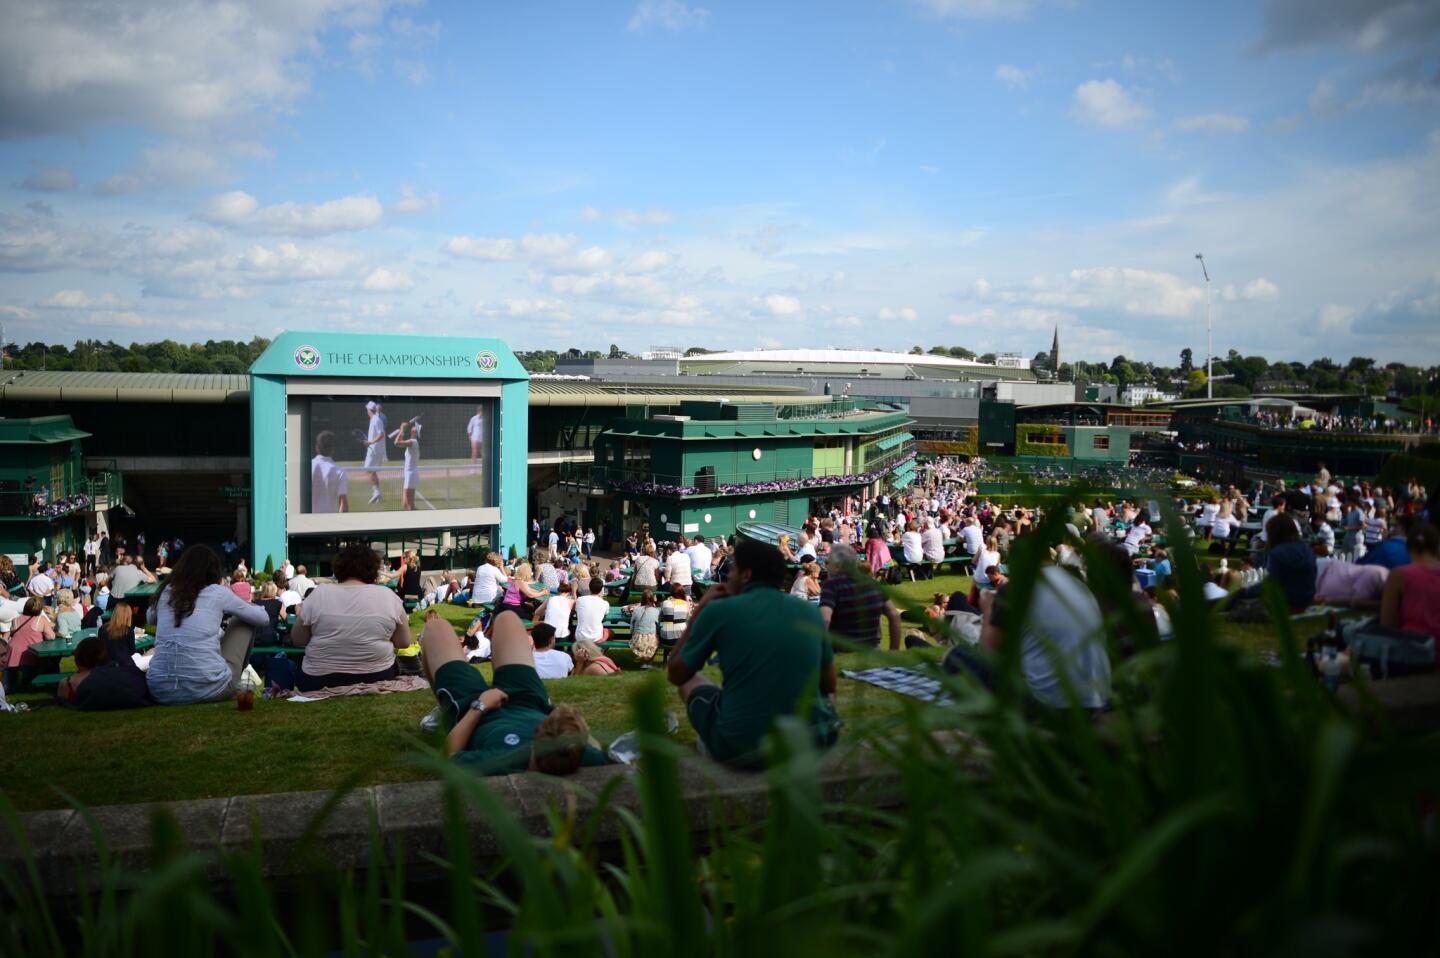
(890, 442)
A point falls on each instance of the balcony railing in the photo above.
(101, 490)
(605, 479)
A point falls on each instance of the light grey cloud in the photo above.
(168, 65)
(1364, 25)
(49, 180)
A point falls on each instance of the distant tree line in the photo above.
(1235, 375)
(1238, 376)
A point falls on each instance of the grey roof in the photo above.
(192, 388)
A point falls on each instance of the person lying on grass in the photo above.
(510, 725)
(774, 650)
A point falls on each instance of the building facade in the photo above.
(714, 465)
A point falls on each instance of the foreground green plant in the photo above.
(1223, 806)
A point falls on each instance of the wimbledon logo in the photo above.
(307, 358)
(486, 361)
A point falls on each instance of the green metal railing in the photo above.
(591, 476)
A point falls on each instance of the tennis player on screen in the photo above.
(375, 447)
(329, 489)
(407, 437)
(476, 431)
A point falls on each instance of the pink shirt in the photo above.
(1420, 603)
(25, 631)
(244, 590)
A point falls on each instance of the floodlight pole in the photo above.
(1209, 338)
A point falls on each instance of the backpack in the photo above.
(280, 671)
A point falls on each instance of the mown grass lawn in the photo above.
(208, 751)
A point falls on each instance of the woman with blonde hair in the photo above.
(646, 568)
(67, 619)
(784, 547)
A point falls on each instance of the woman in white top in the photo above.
(646, 567)
(988, 558)
(193, 662)
(1208, 512)
(490, 580)
(555, 611)
(350, 629)
(807, 582)
(911, 544)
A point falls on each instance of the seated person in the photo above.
(268, 599)
(555, 611)
(89, 655)
(1412, 592)
(1290, 562)
(444, 589)
(510, 725)
(195, 660)
(767, 671)
(590, 660)
(852, 604)
(30, 627)
(288, 597)
(67, 618)
(477, 647)
(644, 627)
(350, 629)
(1063, 635)
(674, 614)
(550, 662)
(1391, 551)
(1350, 584)
(102, 682)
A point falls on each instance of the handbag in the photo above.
(1389, 652)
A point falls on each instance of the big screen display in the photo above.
(390, 453)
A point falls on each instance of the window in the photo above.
(705, 479)
(1100, 442)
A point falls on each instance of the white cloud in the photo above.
(162, 64)
(1336, 320)
(1214, 123)
(976, 9)
(848, 322)
(382, 280)
(166, 166)
(412, 202)
(982, 287)
(1260, 288)
(905, 314)
(240, 209)
(502, 250)
(79, 299)
(1107, 103)
(650, 260)
(929, 169)
(520, 307)
(1013, 76)
(1325, 101)
(670, 15)
(17, 312)
(52, 180)
(290, 261)
(231, 208)
(593, 258)
(781, 305)
(413, 71)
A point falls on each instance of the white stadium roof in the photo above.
(873, 357)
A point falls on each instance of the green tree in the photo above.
(1187, 361)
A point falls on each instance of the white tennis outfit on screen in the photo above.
(375, 452)
(412, 463)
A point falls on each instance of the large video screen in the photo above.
(391, 453)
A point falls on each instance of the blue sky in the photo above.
(658, 172)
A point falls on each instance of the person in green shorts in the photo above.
(774, 651)
(509, 725)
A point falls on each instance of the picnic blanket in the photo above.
(406, 683)
(917, 683)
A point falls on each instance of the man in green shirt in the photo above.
(510, 726)
(773, 650)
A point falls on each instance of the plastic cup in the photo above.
(245, 700)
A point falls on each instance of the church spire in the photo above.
(1055, 353)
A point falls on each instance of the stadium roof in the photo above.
(193, 388)
(876, 357)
